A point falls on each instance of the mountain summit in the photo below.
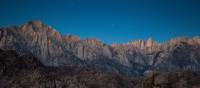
(134, 58)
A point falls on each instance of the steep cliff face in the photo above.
(177, 54)
(39, 39)
(136, 57)
(89, 49)
(181, 53)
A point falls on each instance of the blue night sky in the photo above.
(112, 21)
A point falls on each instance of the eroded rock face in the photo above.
(136, 57)
(71, 38)
(36, 38)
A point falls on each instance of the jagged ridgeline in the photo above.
(134, 58)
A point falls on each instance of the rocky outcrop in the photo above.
(149, 43)
(71, 38)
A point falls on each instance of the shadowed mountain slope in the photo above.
(25, 71)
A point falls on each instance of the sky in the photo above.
(111, 21)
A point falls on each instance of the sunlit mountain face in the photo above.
(99, 44)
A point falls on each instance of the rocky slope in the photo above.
(134, 58)
(25, 71)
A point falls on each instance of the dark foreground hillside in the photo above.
(26, 71)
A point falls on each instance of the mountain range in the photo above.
(133, 58)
